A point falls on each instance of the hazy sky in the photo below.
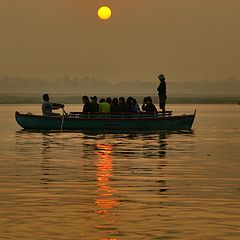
(185, 39)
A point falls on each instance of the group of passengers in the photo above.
(116, 105)
(113, 105)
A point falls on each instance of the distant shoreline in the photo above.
(76, 99)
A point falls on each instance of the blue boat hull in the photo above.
(36, 122)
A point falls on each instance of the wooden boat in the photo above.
(108, 121)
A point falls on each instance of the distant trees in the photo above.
(87, 85)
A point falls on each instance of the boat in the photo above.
(106, 121)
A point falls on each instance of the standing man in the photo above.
(162, 92)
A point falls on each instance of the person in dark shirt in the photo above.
(115, 106)
(150, 107)
(121, 102)
(87, 105)
(135, 106)
(144, 104)
(162, 92)
(109, 100)
(95, 105)
(129, 105)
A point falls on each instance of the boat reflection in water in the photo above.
(103, 182)
(105, 200)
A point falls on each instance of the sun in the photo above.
(104, 12)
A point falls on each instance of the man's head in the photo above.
(121, 100)
(85, 99)
(109, 100)
(148, 100)
(45, 97)
(115, 101)
(161, 77)
(94, 99)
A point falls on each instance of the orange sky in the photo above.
(185, 39)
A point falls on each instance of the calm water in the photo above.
(105, 186)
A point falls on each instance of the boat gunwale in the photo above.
(72, 117)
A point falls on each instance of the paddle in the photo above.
(63, 113)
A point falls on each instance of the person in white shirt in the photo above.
(47, 106)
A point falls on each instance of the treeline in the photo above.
(88, 85)
(7, 98)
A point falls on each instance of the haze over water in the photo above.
(149, 185)
(120, 186)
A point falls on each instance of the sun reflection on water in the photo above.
(105, 200)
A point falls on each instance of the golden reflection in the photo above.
(109, 238)
(105, 198)
(104, 172)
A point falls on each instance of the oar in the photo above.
(63, 112)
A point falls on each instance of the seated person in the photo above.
(135, 105)
(95, 104)
(144, 104)
(121, 103)
(129, 105)
(150, 107)
(47, 106)
(109, 101)
(104, 107)
(88, 107)
(115, 106)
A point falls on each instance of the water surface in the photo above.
(137, 185)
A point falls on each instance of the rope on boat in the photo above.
(62, 119)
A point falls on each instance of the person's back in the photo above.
(104, 107)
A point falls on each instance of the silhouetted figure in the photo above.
(135, 106)
(162, 92)
(129, 105)
(121, 102)
(47, 106)
(144, 104)
(87, 105)
(109, 100)
(95, 105)
(115, 106)
(150, 107)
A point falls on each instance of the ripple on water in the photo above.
(103, 185)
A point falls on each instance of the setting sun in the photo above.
(104, 12)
